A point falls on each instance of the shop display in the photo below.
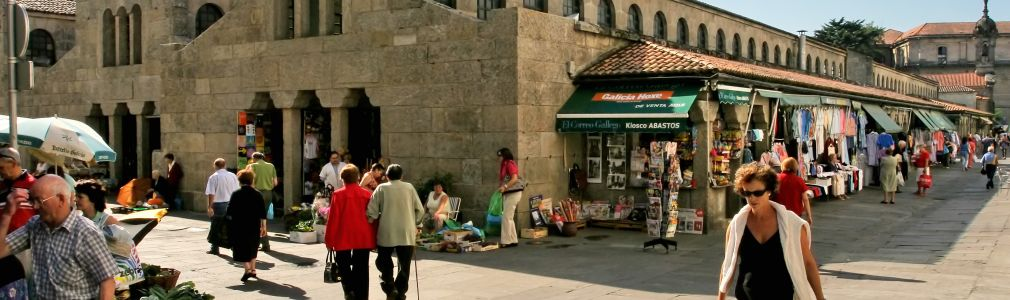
(617, 170)
(691, 220)
(720, 156)
(594, 156)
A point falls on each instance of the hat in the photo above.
(10, 153)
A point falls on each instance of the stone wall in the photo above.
(905, 83)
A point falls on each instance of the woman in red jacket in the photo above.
(349, 234)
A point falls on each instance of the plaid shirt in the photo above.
(69, 262)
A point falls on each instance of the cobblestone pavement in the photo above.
(951, 244)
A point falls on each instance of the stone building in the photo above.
(437, 86)
(52, 31)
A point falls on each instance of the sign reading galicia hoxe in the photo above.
(628, 108)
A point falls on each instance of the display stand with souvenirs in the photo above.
(662, 223)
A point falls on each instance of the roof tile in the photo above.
(928, 29)
(650, 59)
(60, 7)
(890, 36)
(954, 107)
(965, 79)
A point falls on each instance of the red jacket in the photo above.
(791, 189)
(347, 226)
(26, 210)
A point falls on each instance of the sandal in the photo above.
(883, 202)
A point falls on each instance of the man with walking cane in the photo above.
(397, 208)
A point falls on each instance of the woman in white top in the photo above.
(437, 207)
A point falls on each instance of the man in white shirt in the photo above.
(330, 174)
(220, 186)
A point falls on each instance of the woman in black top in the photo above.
(247, 222)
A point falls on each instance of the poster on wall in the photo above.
(594, 152)
(691, 220)
(617, 167)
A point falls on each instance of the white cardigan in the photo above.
(789, 230)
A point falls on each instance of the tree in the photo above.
(853, 35)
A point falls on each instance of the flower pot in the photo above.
(302, 237)
(167, 279)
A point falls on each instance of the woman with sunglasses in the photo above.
(768, 245)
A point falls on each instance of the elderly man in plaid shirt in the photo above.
(71, 260)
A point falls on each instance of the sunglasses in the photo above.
(753, 193)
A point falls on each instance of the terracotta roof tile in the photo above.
(59, 7)
(890, 36)
(956, 89)
(954, 107)
(649, 59)
(954, 28)
(966, 79)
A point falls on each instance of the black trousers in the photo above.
(990, 172)
(385, 265)
(353, 266)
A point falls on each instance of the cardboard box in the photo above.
(534, 233)
(455, 235)
(476, 247)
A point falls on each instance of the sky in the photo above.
(902, 15)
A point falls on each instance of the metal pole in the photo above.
(12, 92)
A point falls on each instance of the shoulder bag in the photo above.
(331, 274)
(520, 183)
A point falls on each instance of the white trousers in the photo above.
(509, 235)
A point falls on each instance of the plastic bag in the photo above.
(270, 212)
(492, 226)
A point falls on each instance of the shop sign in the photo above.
(621, 125)
(734, 95)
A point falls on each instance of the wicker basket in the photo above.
(167, 280)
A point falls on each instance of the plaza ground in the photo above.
(952, 244)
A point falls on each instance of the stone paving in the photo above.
(952, 244)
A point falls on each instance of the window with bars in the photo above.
(206, 16)
(736, 45)
(605, 14)
(751, 49)
(702, 36)
(720, 41)
(41, 48)
(660, 24)
(682, 32)
(634, 19)
(764, 51)
(572, 8)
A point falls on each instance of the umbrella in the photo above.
(60, 137)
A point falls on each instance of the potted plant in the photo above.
(299, 221)
(321, 211)
(184, 291)
(155, 275)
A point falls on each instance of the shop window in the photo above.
(537, 5)
(682, 32)
(751, 49)
(702, 37)
(338, 15)
(41, 48)
(605, 14)
(720, 41)
(108, 39)
(634, 19)
(573, 9)
(207, 15)
(764, 51)
(736, 45)
(660, 26)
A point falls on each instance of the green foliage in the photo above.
(183, 291)
(297, 215)
(855, 35)
(304, 226)
(429, 185)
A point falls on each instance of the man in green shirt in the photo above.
(266, 180)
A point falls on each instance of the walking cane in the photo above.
(417, 281)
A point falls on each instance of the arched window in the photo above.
(605, 14)
(841, 70)
(123, 42)
(941, 55)
(682, 32)
(41, 48)
(736, 45)
(702, 37)
(136, 34)
(825, 67)
(834, 69)
(537, 5)
(751, 49)
(817, 66)
(764, 51)
(206, 16)
(573, 8)
(108, 39)
(659, 23)
(634, 19)
(808, 64)
(789, 58)
(720, 41)
(778, 55)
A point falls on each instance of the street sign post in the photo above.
(17, 44)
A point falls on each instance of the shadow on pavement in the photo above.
(859, 276)
(269, 288)
(291, 259)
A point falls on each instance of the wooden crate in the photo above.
(533, 233)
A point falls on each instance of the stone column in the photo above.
(339, 128)
(292, 180)
(116, 142)
(143, 147)
(703, 114)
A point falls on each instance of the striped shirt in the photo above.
(70, 261)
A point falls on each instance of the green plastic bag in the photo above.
(492, 226)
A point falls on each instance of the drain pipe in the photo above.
(802, 51)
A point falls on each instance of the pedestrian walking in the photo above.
(767, 246)
(889, 175)
(508, 178)
(398, 209)
(72, 262)
(1004, 143)
(220, 186)
(265, 181)
(330, 173)
(90, 196)
(792, 191)
(175, 175)
(373, 178)
(349, 234)
(922, 163)
(904, 159)
(965, 154)
(989, 163)
(247, 222)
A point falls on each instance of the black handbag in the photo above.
(331, 274)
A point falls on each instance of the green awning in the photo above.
(628, 108)
(925, 120)
(942, 120)
(800, 100)
(834, 101)
(734, 95)
(878, 114)
(770, 94)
